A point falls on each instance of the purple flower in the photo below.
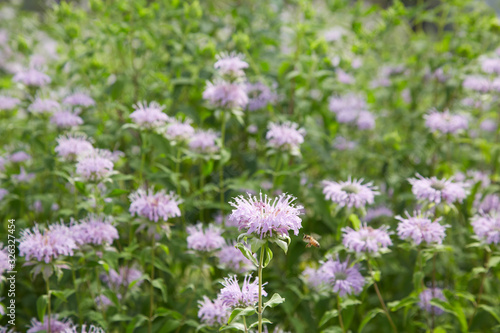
(490, 203)
(19, 156)
(488, 125)
(495, 86)
(487, 227)
(341, 143)
(56, 325)
(314, 278)
(374, 213)
(23, 176)
(286, 136)
(231, 65)
(70, 146)
(154, 206)
(233, 296)
(366, 239)
(149, 116)
(344, 78)
(345, 280)
(334, 34)
(259, 96)
(425, 300)
(8, 103)
(94, 230)
(366, 120)
(79, 99)
(226, 95)
(213, 313)
(263, 216)
(420, 228)
(103, 302)
(32, 77)
(204, 142)
(218, 220)
(3, 193)
(491, 65)
(178, 130)
(476, 83)
(44, 106)
(350, 103)
(438, 190)
(206, 240)
(94, 165)
(231, 258)
(49, 245)
(4, 260)
(445, 122)
(350, 193)
(66, 119)
(122, 279)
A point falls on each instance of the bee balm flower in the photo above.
(366, 239)
(351, 193)
(233, 296)
(149, 116)
(487, 227)
(213, 313)
(438, 190)
(345, 280)
(420, 228)
(425, 300)
(206, 240)
(154, 206)
(286, 136)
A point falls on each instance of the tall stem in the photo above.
(48, 303)
(221, 168)
(80, 319)
(481, 287)
(340, 313)
(143, 157)
(394, 329)
(261, 263)
(151, 290)
(433, 286)
(245, 324)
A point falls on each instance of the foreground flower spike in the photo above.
(420, 228)
(487, 227)
(445, 122)
(94, 230)
(233, 296)
(32, 78)
(122, 279)
(366, 239)
(204, 142)
(44, 106)
(226, 95)
(213, 313)
(207, 240)
(286, 136)
(8, 103)
(259, 96)
(154, 205)
(231, 65)
(438, 190)
(72, 145)
(265, 216)
(95, 165)
(56, 325)
(425, 300)
(231, 258)
(149, 116)
(350, 193)
(66, 119)
(79, 99)
(47, 245)
(345, 280)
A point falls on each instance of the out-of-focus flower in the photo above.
(425, 300)
(40, 105)
(343, 77)
(56, 325)
(491, 65)
(490, 203)
(207, 240)
(4, 260)
(46, 246)
(420, 228)
(154, 205)
(366, 239)
(334, 34)
(488, 125)
(149, 116)
(8, 103)
(233, 296)
(32, 77)
(19, 156)
(227, 95)
(445, 122)
(66, 119)
(487, 227)
(366, 120)
(314, 278)
(259, 96)
(342, 143)
(94, 230)
(72, 145)
(345, 280)
(374, 213)
(287, 136)
(231, 258)
(350, 193)
(178, 130)
(213, 313)
(231, 65)
(122, 279)
(352, 108)
(264, 216)
(476, 83)
(3, 193)
(438, 190)
(94, 165)
(23, 176)
(204, 142)
(79, 99)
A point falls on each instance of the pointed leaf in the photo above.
(247, 253)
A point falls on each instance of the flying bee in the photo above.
(310, 240)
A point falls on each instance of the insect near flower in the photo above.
(310, 240)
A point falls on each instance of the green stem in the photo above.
(481, 288)
(245, 324)
(80, 319)
(394, 329)
(202, 185)
(261, 263)
(98, 279)
(48, 303)
(151, 290)
(143, 157)
(221, 168)
(340, 313)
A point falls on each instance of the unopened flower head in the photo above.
(79, 99)
(231, 65)
(94, 165)
(149, 116)
(233, 296)
(265, 216)
(345, 280)
(178, 130)
(286, 136)
(213, 313)
(204, 142)
(487, 227)
(226, 95)
(231, 258)
(204, 240)
(366, 239)
(66, 119)
(154, 205)
(259, 96)
(32, 77)
(350, 193)
(47, 245)
(425, 300)
(438, 190)
(70, 146)
(56, 325)
(445, 122)
(94, 230)
(420, 228)
(8, 103)
(40, 105)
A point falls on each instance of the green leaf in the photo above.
(492, 311)
(369, 316)
(275, 300)
(408, 301)
(236, 326)
(327, 316)
(41, 307)
(256, 244)
(356, 223)
(264, 321)
(268, 256)
(158, 284)
(494, 261)
(117, 192)
(247, 253)
(248, 311)
(81, 188)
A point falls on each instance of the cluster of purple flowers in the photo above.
(72, 145)
(438, 190)
(207, 240)
(32, 77)
(420, 228)
(8, 103)
(40, 105)
(66, 119)
(259, 96)
(177, 130)
(95, 165)
(4, 259)
(213, 313)
(149, 116)
(56, 325)
(487, 227)
(425, 300)
(286, 136)
(154, 205)
(94, 230)
(231, 258)
(350, 193)
(233, 296)
(366, 239)
(121, 279)
(445, 122)
(204, 142)
(352, 108)
(375, 213)
(341, 143)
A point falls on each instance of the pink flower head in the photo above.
(420, 228)
(487, 227)
(66, 119)
(233, 296)
(94, 165)
(94, 230)
(366, 239)
(227, 95)
(213, 313)
(286, 136)
(438, 190)
(79, 99)
(149, 116)
(32, 77)
(350, 193)
(207, 240)
(44, 106)
(70, 146)
(154, 205)
(231, 65)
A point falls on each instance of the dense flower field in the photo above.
(253, 166)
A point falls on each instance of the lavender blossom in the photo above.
(445, 122)
(487, 227)
(420, 228)
(94, 165)
(438, 190)
(23, 176)
(233, 296)
(366, 239)
(226, 95)
(70, 146)
(32, 78)
(154, 206)
(425, 300)
(350, 193)
(3, 193)
(66, 119)
(231, 258)
(490, 203)
(56, 325)
(149, 116)
(341, 143)
(4, 260)
(231, 65)
(44, 106)
(491, 65)
(94, 230)
(207, 240)
(204, 142)
(286, 136)
(213, 313)
(178, 130)
(121, 279)
(8, 103)
(263, 216)
(488, 125)
(345, 280)
(344, 77)
(476, 83)
(79, 99)
(259, 96)
(19, 156)
(374, 213)
(365, 120)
